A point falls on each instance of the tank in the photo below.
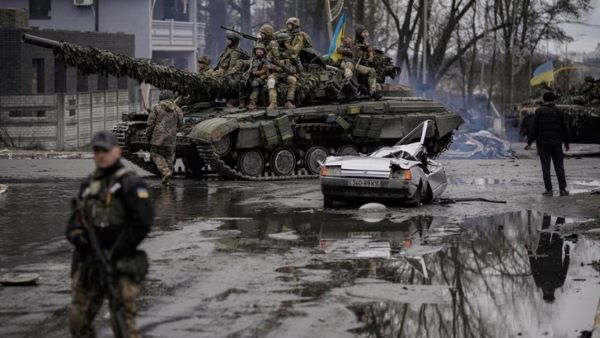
(582, 110)
(332, 117)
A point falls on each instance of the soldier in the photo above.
(281, 68)
(256, 76)
(346, 50)
(266, 34)
(113, 203)
(299, 39)
(164, 121)
(364, 55)
(203, 64)
(228, 60)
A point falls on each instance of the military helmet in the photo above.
(259, 46)
(282, 37)
(204, 59)
(294, 21)
(266, 29)
(235, 37)
(359, 29)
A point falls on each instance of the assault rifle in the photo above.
(117, 313)
(244, 35)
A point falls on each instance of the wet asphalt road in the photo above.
(248, 259)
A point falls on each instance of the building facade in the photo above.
(165, 31)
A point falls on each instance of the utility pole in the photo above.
(329, 19)
(425, 39)
(483, 51)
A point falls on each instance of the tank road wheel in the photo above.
(283, 161)
(223, 146)
(251, 162)
(347, 149)
(314, 155)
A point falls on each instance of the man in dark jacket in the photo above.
(550, 130)
(114, 203)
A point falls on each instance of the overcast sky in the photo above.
(586, 38)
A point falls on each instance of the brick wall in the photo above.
(16, 58)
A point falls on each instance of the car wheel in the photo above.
(327, 201)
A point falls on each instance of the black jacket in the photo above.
(120, 240)
(549, 127)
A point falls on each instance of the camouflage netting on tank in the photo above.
(96, 61)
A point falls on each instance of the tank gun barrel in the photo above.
(90, 60)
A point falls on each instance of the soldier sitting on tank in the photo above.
(228, 60)
(299, 39)
(164, 121)
(281, 68)
(265, 35)
(203, 64)
(364, 54)
(256, 75)
(346, 50)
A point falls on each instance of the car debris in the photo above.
(403, 173)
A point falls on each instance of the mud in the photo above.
(264, 259)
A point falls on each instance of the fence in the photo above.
(60, 121)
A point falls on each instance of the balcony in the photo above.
(173, 35)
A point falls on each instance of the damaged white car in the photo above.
(403, 173)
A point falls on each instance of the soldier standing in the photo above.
(281, 68)
(364, 56)
(203, 64)
(257, 74)
(112, 214)
(299, 39)
(164, 121)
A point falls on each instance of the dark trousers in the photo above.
(554, 154)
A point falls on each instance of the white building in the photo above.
(166, 31)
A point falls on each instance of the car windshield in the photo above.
(417, 134)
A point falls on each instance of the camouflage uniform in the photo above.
(299, 39)
(228, 60)
(164, 121)
(203, 64)
(363, 56)
(115, 203)
(346, 50)
(282, 68)
(256, 75)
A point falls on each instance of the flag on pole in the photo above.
(338, 36)
(543, 73)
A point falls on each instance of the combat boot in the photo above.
(289, 105)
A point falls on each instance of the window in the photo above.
(27, 113)
(82, 82)
(60, 77)
(102, 82)
(39, 9)
(37, 78)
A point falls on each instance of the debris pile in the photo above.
(479, 145)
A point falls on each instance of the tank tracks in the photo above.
(214, 161)
(122, 130)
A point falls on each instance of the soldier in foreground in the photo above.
(112, 215)
(203, 64)
(281, 68)
(550, 130)
(299, 39)
(164, 121)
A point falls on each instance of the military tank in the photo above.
(582, 110)
(333, 117)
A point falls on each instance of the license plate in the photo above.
(365, 183)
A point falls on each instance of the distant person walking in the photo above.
(550, 130)
(164, 121)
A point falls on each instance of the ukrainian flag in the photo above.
(543, 73)
(338, 36)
